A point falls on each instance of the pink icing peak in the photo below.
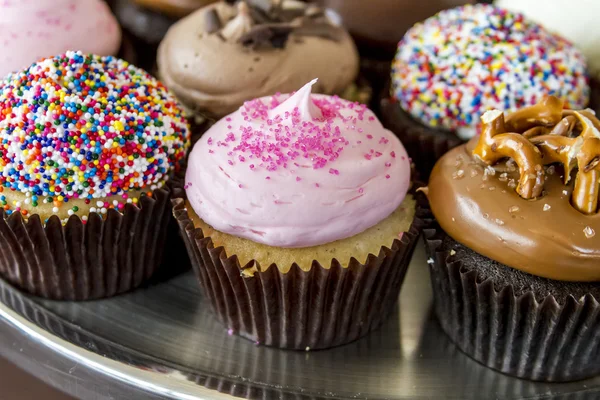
(309, 173)
(284, 129)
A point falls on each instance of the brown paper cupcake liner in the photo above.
(76, 261)
(424, 145)
(315, 309)
(507, 328)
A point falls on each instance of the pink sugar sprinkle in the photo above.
(210, 151)
(209, 141)
(334, 171)
(268, 177)
(369, 136)
(251, 166)
(371, 118)
(228, 119)
(229, 162)
(242, 158)
(387, 176)
(361, 190)
(403, 158)
(378, 154)
(317, 185)
(298, 179)
(383, 140)
(388, 164)
(393, 154)
(368, 156)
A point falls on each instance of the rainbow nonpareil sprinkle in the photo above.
(454, 66)
(86, 127)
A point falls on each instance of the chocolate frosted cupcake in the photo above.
(147, 21)
(453, 67)
(515, 264)
(34, 29)
(297, 220)
(88, 145)
(230, 52)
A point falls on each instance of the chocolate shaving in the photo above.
(273, 24)
(264, 5)
(212, 21)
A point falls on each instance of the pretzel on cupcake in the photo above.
(546, 134)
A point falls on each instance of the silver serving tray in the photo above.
(162, 342)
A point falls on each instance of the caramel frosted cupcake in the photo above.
(456, 65)
(34, 29)
(298, 221)
(89, 144)
(147, 21)
(230, 52)
(515, 263)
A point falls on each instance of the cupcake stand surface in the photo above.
(161, 342)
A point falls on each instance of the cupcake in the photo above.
(575, 20)
(297, 219)
(515, 259)
(146, 22)
(231, 52)
(34, 29)
(88, 145)
(453, 67)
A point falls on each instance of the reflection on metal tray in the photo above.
(162, 342)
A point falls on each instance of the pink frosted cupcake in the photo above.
(34, 29)
(298, 219)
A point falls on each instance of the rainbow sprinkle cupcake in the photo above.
(454, 66)
(86, 140)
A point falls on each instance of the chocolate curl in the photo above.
(240, 25)
(548, 112)
(495, 144)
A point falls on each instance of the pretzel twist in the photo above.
(546, 134)
(495, 144)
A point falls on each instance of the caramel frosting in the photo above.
(175, 8)
(225, 54)
(525, 192)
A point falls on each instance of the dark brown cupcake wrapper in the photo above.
(424, 145)
(521, 336)
(316, 309)
(76, 261)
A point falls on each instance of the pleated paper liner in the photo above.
(76, 261)
(315, 309)
(424, 145)
(506, 327)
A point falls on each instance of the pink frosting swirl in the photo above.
(34, 29)
(297, 171)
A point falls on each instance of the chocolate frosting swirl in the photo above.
(228, 53)
(525, 193)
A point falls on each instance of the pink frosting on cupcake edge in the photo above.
(297, 171)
